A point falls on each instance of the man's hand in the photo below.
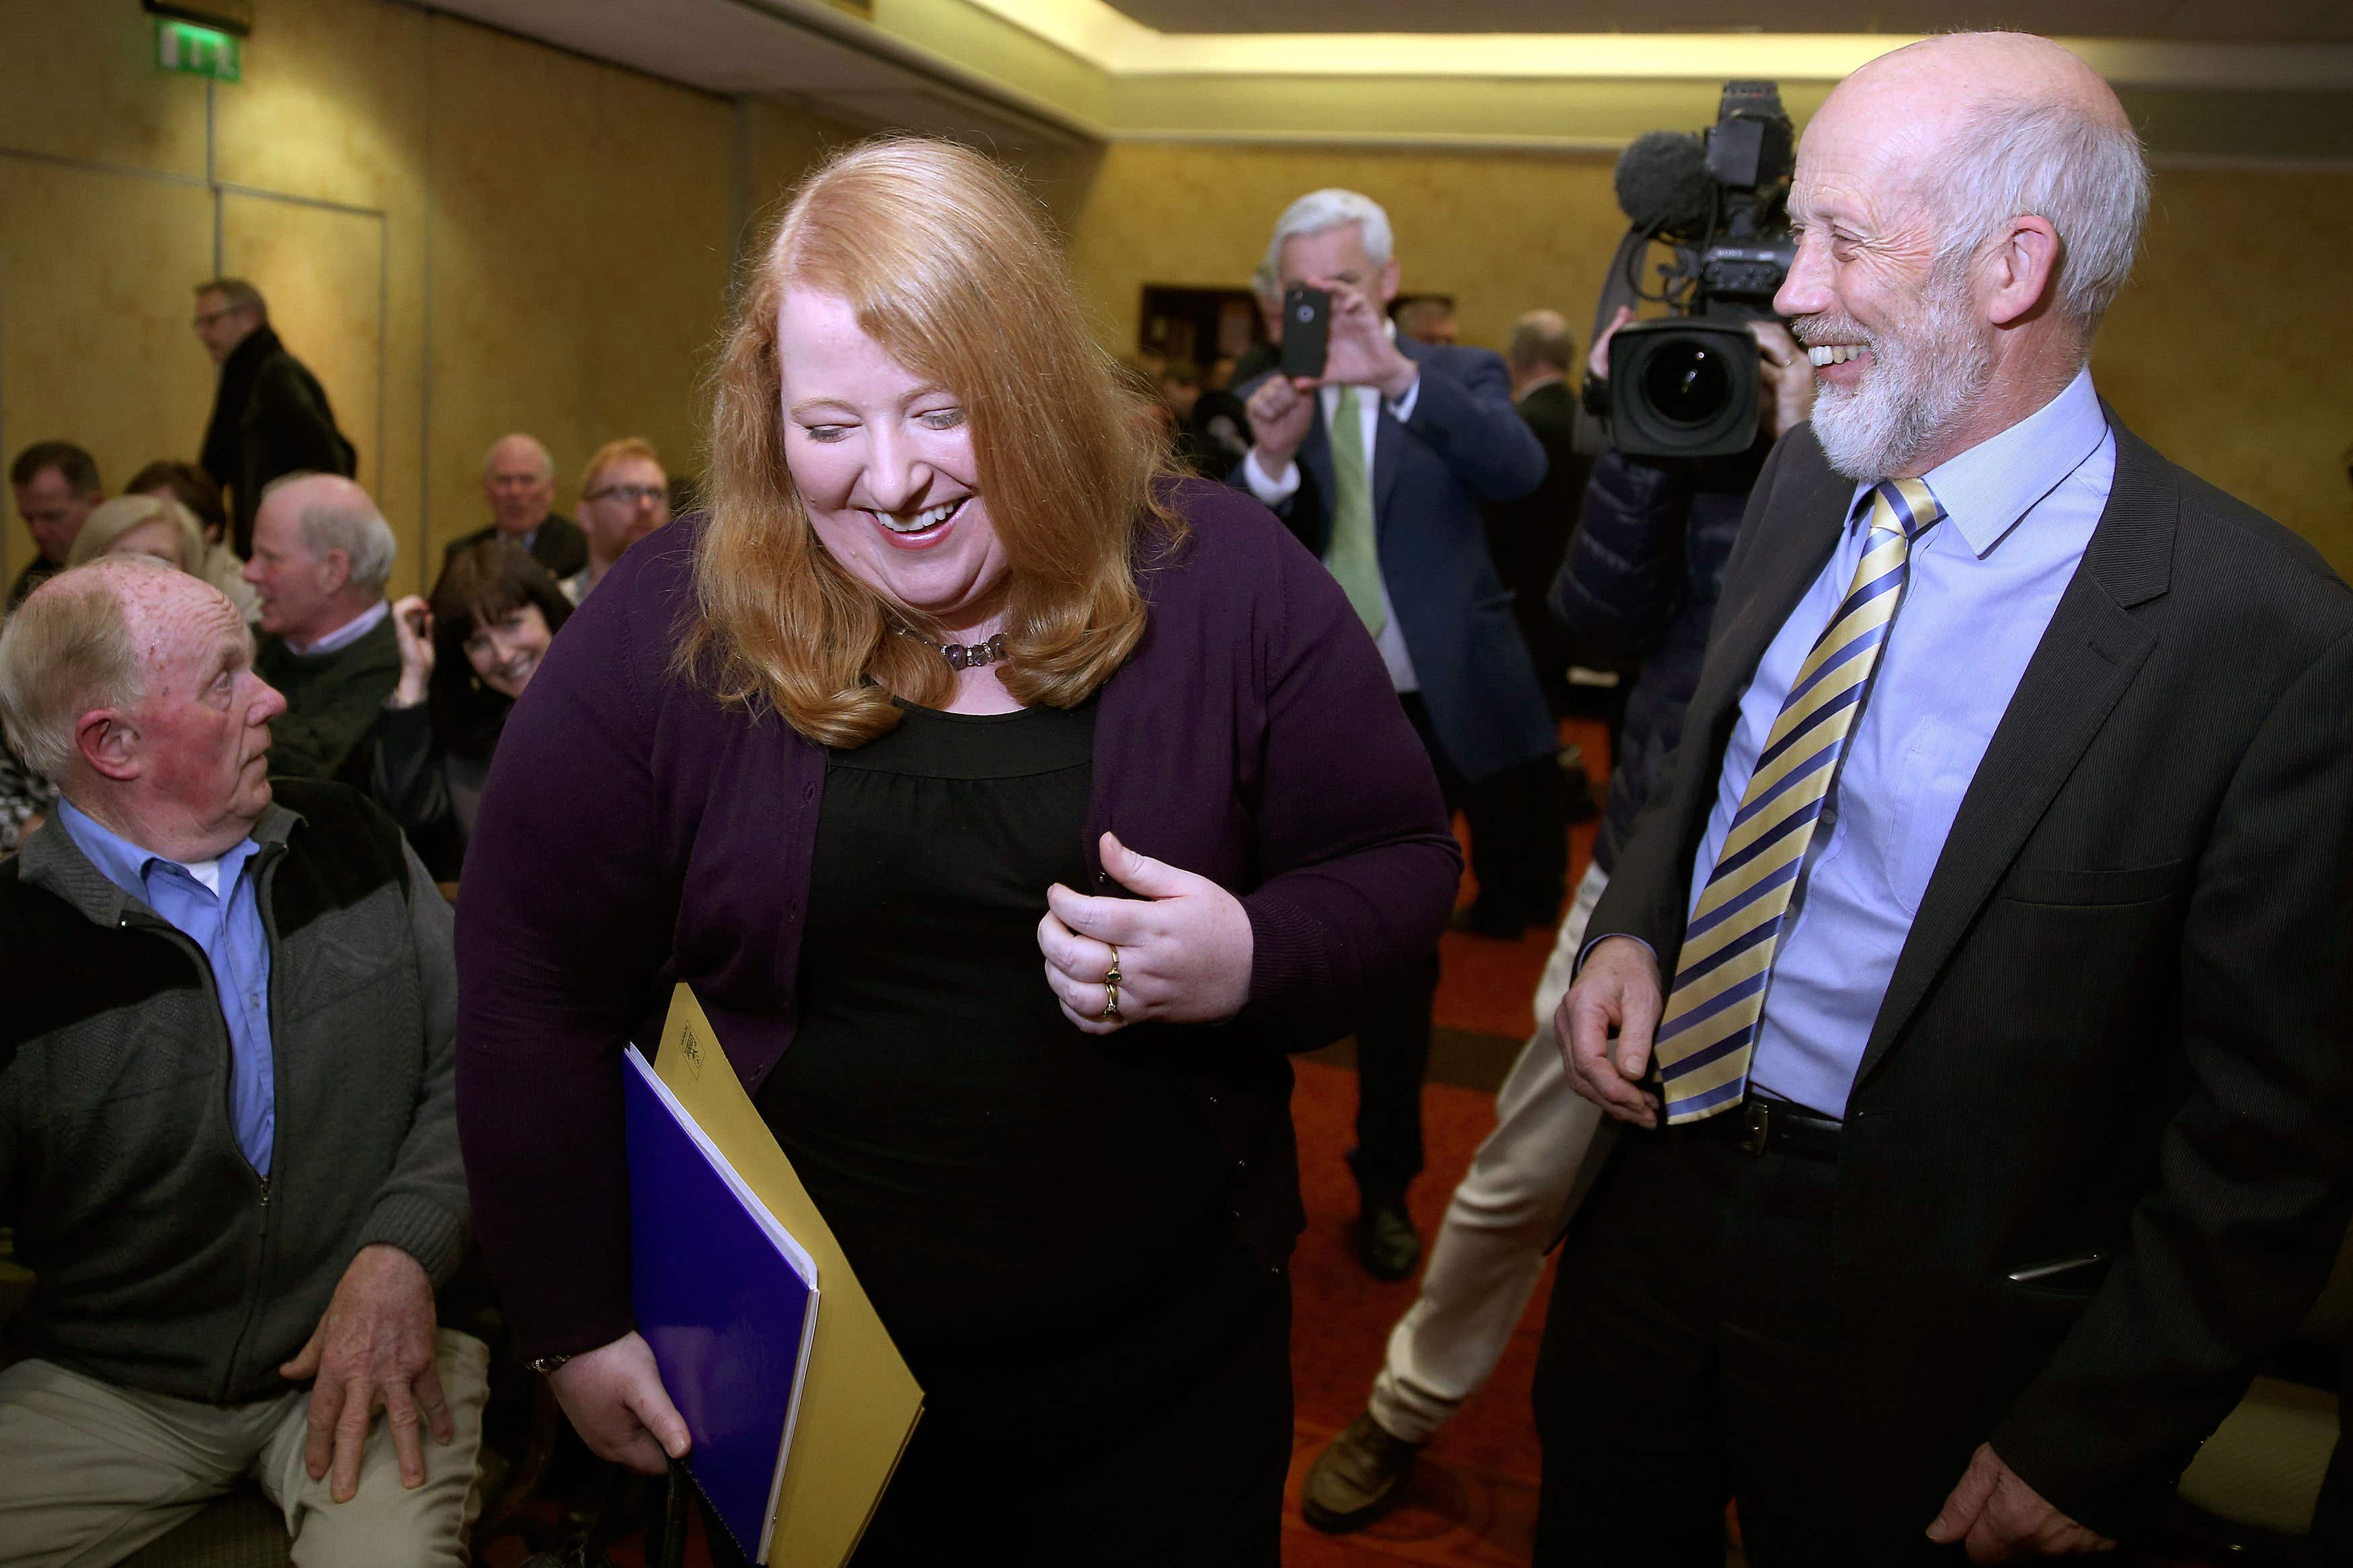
(1789, 378)
(1360, 353)
(1184, 951)
(1617, 988)
(1280, 414)
(615, 1397)
(2001, 1518)
(372, 1351)
(1598, 361)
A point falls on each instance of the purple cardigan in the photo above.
(635, 833)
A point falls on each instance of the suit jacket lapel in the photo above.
(2087, 658)
(1388, 435)
(1316, 459)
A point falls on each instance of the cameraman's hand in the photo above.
(1598, 361)
(1280, 414)
(1361, 352)
(1789, 378)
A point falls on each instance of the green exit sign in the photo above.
(198, 51)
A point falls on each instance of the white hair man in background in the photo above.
(321, 556)
(519, 482)
(1972, 994)
(1380, 465)
(228, 1129)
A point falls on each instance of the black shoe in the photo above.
(1356, 1479)
(1387, 1244)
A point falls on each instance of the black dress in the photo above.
(1040, 1216)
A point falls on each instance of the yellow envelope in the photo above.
(859, 1402)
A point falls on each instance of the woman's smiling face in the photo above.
(883, 461)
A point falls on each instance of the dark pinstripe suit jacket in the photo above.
(2120, 1024)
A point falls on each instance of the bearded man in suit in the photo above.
(1975, 992)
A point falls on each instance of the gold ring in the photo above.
(1113, 978)
(1111, 1001)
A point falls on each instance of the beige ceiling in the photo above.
(2234, 21)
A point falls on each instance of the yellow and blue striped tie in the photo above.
(1709, 1030)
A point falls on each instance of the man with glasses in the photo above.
(519, 481)
(270, 415)
(623, 496)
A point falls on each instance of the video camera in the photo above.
(1688, 385)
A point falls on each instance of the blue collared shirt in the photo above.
(228, 926)
(2019, 511)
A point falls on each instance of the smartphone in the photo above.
(1306, 329)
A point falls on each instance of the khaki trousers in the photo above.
(1508, 1208)
(90, 1472)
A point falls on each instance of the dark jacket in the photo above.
(165, 1263)
(559, 545)
(1464, 445)
(431, 791)
(636, 834)
(332, 701)
(1639, 586)
(1528, 537)
(2122, 1023)
(271, 417)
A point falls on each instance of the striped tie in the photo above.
(1709, 1030)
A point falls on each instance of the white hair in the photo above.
(69, 649)
(350, 524)
(2028, 157)
(546, 458)
(1326, 209)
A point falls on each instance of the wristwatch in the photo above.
(544, 1364)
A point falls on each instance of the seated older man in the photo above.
(322, 555)
(228, 1142)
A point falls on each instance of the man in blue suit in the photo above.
(1403, 441)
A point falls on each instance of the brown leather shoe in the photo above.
(1358, 1479)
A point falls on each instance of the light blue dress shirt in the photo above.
(2019, 509)
(228, 926)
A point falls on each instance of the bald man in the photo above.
(519, 482)
(321, 556)
(227, 1135)
(1973, 996)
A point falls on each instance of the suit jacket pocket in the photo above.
(2136, 885)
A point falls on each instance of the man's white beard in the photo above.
(1922, 380)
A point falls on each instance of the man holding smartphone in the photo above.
(1403, 441)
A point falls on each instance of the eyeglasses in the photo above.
(633, 494)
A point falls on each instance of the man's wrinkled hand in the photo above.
(1998, 1518)
(1360, 352)
(1280, 416)
(372, 1351)
(1618, 990)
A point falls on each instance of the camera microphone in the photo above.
(1663, 185)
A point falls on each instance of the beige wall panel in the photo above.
(95, 345)
(2228, 353)
(330, 105)
(79, 80)
(579, 260)
(1502, 233)
(322, 272)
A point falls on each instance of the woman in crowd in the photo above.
(135, 524)
(192, 488)
(1013, 807)
(464, 659)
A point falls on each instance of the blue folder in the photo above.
(726, 1297)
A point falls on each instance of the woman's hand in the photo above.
(1184, 956)
(615, 1397)
(412, 627)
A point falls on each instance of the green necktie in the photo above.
(1353, 558)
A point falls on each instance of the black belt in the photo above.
(1758, 1125)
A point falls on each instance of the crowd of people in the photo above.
(1939, 1091)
